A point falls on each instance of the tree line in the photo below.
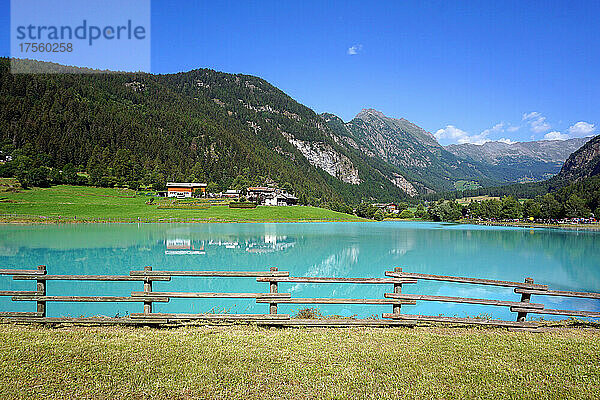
(581, 201)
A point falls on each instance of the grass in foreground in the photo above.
(110, 204)
(253, 363)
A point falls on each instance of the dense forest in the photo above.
(580, 199)
(142, 130)
(518, 190)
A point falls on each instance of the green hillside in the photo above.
(138, 129)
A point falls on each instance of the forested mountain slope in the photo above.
(202, 124)
(583, 163)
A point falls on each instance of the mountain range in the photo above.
(428, 166)
(209, 125)
(535, 160)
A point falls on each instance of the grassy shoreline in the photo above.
(231, 362)
(76, 204)
(42, 220)
(84, 204)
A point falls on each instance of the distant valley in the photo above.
(531, 161)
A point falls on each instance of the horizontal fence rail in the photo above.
(21, 272)
(307, 279)
(528, 285)
(230, 274)
(188, 295)
(328, 300)
(90, 298)
(559, 293)
(468, 300)
(273, 278)
(91, 278)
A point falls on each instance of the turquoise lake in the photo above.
(562, 259)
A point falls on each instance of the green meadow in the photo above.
(82, 203)
(247, 362)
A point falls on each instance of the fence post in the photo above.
(397, 289)
(147, 289)
(525, 298)
(41, 289)
(273, 289)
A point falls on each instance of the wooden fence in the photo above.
(273, 297)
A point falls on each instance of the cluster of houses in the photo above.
(388, 207)
(263, 195)
(268, 196)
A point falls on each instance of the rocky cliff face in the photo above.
(343, 135)
(397, 141)
(583, 163)
(403, 184)
(322, 155)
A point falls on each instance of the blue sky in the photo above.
(465, 71)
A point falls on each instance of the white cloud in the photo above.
(555, 135)
(453, 133)
(579, 129)
(354, 49)
(499, 127)
(582, 129)
(534, 120)
(531, 115)
(540, 126)
(506, 140)
(450, 132)
(537, 122)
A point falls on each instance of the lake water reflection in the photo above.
(566, 260)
